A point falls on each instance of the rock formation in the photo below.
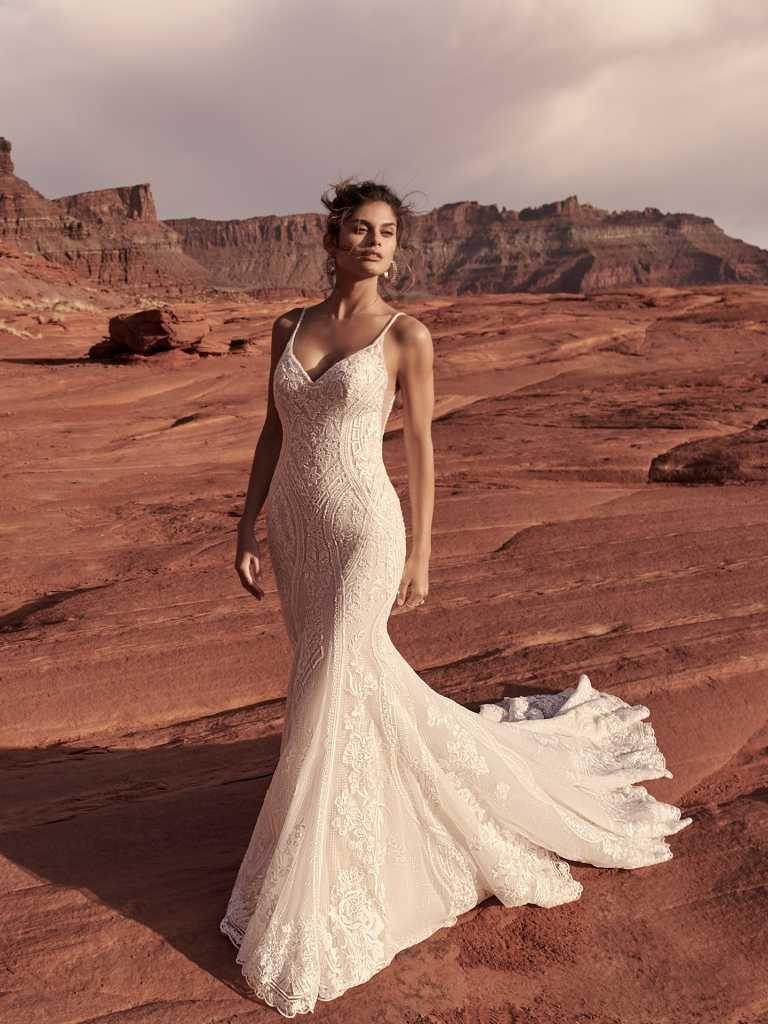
(110, 237)
(467, 247)
(113, 237)
(27, 278)
(736, 458)
(150, 331)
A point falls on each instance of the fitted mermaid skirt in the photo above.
(393, 809)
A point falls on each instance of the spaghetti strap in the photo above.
(298, 323)
(389, 324)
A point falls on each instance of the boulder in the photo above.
(157, 329)
(736, 458)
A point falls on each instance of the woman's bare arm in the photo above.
(247, 559)
(416, 377)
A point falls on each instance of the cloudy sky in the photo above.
(232, 108)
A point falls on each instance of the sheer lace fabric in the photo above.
(393, 809)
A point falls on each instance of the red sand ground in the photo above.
(142, 687)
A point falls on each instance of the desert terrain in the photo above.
(601, 506)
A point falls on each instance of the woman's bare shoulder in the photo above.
(411, 333)
(282, 328)
(286, 321)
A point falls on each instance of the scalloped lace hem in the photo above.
(290, 1006)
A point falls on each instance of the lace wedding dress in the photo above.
(394, 809)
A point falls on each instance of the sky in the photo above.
(238, 108)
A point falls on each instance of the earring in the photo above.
(330, 266)
(393, 268)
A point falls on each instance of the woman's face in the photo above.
(369, 231)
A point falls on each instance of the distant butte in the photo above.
(113, 238)
(110, 237)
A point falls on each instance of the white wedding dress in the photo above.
(392, 808)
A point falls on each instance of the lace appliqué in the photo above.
(360, 810)
(462, 753)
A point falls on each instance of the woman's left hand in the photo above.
(414, 584)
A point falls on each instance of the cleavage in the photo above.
(342, 358)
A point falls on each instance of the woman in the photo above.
(393, 809)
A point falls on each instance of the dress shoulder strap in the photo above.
(297, 325)
(389, 323)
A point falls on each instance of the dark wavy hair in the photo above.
(342, 198)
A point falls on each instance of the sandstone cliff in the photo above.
(111, 237)
(467, 247)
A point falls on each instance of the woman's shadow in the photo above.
(157, 834)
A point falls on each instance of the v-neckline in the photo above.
(346, 358)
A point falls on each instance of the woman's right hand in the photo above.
(248, 562)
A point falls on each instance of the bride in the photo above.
(393, 809)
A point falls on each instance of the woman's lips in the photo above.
(372, 256)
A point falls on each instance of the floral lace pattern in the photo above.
(392, 809)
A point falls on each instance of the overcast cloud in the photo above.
(233, 108)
